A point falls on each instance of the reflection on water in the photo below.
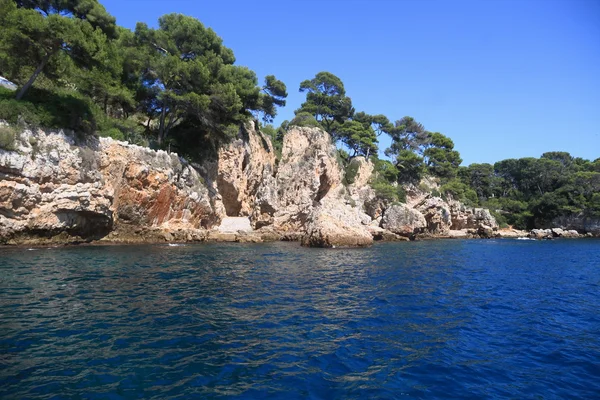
(426, 320)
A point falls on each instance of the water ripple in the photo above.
(447, 319)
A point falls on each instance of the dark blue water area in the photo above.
(437, 319)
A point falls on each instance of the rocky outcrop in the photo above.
(553, 233)
(358, 178)
(579, 222)
(416, 194)
(464, 217)
(53, 188)
(56, 189)
(311, 197)
(437, 215)
(307, 173)
(336, 227)
(403, 220)
(511, 233)
(244, 167)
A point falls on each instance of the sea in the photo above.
(445, 319)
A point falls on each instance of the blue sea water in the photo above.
(436, 319)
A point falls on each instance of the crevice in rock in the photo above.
(85, 224)
(324, 186)
(229, 195)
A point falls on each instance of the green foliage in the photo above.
(351, 171)
(53, 109)
(500, 218)
(114, 133)
(274, 94)
(442, 159)
(481, 178)
(388, 192)
(13, 111)
(533, 192)
(359, 138)
(276, 139)
(379, 123)
(189, 73)
(36, 31)
(175, 86)
(326, 101)
(342, 157)
(384, 169)
(411, 167)
(407, 135)
(8, 138)
(460, 191)
(305, 119)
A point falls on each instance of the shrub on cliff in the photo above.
(305, 119)
(460, 191)
(389, 192)
(351, 171)
(8, 137)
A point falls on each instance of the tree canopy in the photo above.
(35, 31)
(326, 100)
(173, 84)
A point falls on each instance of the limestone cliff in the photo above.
(56, 189)
(300, 198)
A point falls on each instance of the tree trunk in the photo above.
(161, 127)
(37, 71)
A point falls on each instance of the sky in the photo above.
(501, 78)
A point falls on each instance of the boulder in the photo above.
(561, 233)
(511, 233)
(403, 220)
(486, 232)
(465, 217)
(571, 234)
(541, 234)
(459, 234)
(437, 215)
(327, 230)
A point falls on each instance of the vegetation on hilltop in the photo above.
(175, 86)
(525, 193)
(178, 87)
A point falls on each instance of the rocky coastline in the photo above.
(56, 189)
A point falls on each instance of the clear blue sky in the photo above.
(502, 78)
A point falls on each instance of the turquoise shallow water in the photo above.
(439, 319)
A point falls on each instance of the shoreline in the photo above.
(257, 238)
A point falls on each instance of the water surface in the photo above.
(443, 319)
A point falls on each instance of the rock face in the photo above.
(464, 217)
(403, 220)
(580, 223)
(244, 167)
(310, 195)
(437, 215)
(52, 185)
(55, 189)
(553, 233)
